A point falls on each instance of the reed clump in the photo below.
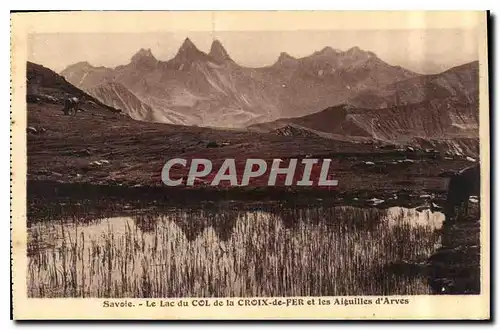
(218, 253)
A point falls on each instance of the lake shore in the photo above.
(452, 269)
(50, 198)
(455, 267)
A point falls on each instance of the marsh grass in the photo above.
(215, 253)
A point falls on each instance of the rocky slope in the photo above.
(459, 84)
(437, 111)
(46, 86)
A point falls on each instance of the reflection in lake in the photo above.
(228, 252)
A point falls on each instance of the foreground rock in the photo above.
(455, 267)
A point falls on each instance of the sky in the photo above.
(420, 50)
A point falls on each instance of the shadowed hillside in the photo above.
(44, 85)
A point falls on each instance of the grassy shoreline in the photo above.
(49, 198)
(455, 267)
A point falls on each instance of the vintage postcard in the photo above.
(250, 165)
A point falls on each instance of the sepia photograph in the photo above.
(223, 162)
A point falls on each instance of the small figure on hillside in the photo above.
(72, 104)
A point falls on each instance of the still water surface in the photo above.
(201, 253)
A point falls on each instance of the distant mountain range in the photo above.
(459, 84)
(196, 88)
(343, 95)
(440, 110)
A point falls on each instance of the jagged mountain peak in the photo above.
(187, 44)
(143, 54)
(354, 50)
(328, 51)
(285, 56)
(189, 52)
(358, 52)
(218, 52)
(83, 65)
(188, 48)
(286, 60)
